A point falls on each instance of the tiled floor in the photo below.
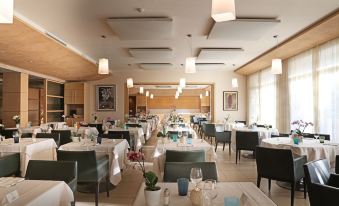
(245, 171)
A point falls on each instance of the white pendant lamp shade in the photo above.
(177, 93)
(190, 65)
(129, 83)
(103, 66)
(152, 96)
(207, 93)
(179, 90)
(276, 66)
(200, 96)
(235, 83)
(176, 97)
(147, 93)
(223, 10)
(141, 90)
(6, 11)
(182, 83)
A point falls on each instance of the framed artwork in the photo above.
(105, 97)
(230, 101)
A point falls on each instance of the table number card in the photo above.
(12, 196)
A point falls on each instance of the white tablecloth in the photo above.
(263, 133)
(36, 192)
(251, 194)
(42, 149)
(116, 149)
(309, 147)
(160, 153)
(136, 133)
(147, 128)
(183, 129)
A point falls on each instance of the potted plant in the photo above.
(162, 134)
(300, 126)
(16, 119)
(152, 191)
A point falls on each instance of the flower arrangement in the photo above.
(227, 118)
(301, 126)
(150, 177)
(163, 133)
(16, 119)
(94, 115)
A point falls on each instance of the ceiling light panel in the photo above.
(211, 67)
(143, 28)
(219, 54)
(150, 53)
(156, 66)
(242, 29)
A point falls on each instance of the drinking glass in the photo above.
(210, 192)
(196, 175)
(321, 139)
(179, 134)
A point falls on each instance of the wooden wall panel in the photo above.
(169, 102)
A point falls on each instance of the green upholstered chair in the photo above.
(208, 131)
(26, 135)
(8, 132)
(223, 137)
(53, 170)
(65, 136)
(55, 136)
(90, 169)
(10, 165)
(175, 170)
(185, 156)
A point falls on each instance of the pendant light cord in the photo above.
(189, 42)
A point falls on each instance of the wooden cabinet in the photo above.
(141, 101)
(74, 93)
(205, 101)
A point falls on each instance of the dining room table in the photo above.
(159, 156)
(116, 149)
(16, 191)
(29, 149)
(312, 148)
(246, 192)
(136, 134)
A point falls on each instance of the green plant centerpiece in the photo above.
(152, 191)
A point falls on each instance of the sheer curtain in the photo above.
(328, 89)
(253, 97)
(300, 84)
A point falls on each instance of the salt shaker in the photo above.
(166, 197)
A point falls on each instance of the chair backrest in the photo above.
(240, 121)
(133, 125)
(98, 126)
(317, 171)
(65, 136)
(119, 135)
(192, 119)
(8, 132)
(142, 120)
(262, 125)
(10, 165)
(247, 140)
(26, 135)
(185, 156)
(87, 163)
(175, 170)
(209, 129)
(275, 163)
(337, 164)
(52, 170)
(280, 135)
(224, 136)
(55, 136)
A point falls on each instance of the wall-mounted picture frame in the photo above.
(230, 101)
(105, 97)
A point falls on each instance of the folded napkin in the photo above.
(184, 145)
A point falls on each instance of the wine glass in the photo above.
(210, 192)
(196, 176)
(316, 136)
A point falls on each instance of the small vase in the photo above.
(152, 198)
(17, 126)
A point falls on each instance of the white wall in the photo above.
(221, 79)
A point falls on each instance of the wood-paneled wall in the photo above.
(166, 102)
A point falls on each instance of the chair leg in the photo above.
(216, 145)
(229, 149)
(258, 181)
(223, 147)
(239, 154)
(305, 192)
(236, 156)
(107, 185)
(97, 193)
(292, 193)
(269, 185)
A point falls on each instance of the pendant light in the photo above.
(6, 11)
(151, 96)
(276, 67)
(207, 93)
(182, 83)
(190, 61)
(129, 82)
(179, 90)
(235, 83)
(200, 96)
(223, 10)
(176, 95)
(103, 62)
(141, 90)
(147, 93)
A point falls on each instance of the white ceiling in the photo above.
(81, 23)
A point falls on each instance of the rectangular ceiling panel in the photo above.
(144, 28)
(219, 54)
(156, 66)
(148, 53)
(211, 66)
(242, 29)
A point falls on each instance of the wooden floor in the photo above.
(245, 171)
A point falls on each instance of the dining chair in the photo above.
(323, 187)
(10, 165)
(337, 164)
(185, 156)
(8, 132)
(120, 135)
(46, 170)
(245, 141)
(280, 135)
(26, 135)
(55, 136)
(202, 121)
(280, 165)
(90, 168)
(262, 125)
(208, 131)
(240, 121)
(65, 136)
(223, 137)
(98, 127)
(175, 170)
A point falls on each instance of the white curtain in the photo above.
(328, 89)
(253, 97)
(300, 84)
